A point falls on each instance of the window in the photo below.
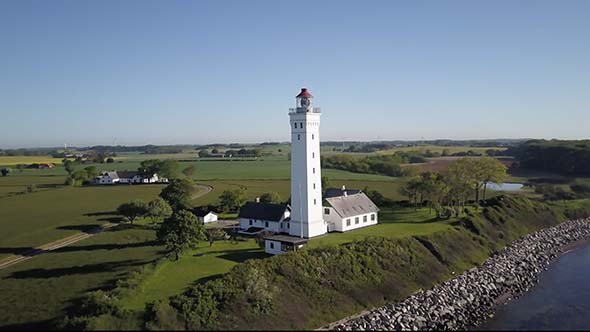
(356, 220)
(266, 224)
(347, 222)
(311, 136)
(326, 211)
(364, 218)
(250, 222)
(298, 137)
(314, 201)
(288, 225)
(295, 125)
(372, 217)
(313, 170)
(314, 186)
(301, 125)
(272, 245)
(313, 154)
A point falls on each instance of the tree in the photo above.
(325, 183)
(270, 197)
(492, 170)
(215, 234)
(178, 194)
(5, 171)
(68, 166)
(231, 200)
(181, 231)
(203, 153)
(110, 160)
(133, 210)
(189, 171)
(169, 168)
(158, 209)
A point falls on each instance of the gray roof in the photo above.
(335, 192)
(111, 174)
(352, 205)
(127, 174)
(286, 239)
(262, 211)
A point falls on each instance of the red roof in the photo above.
(304, 93)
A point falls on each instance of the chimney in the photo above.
(257, 199)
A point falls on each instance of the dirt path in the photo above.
(15, 259)
(205, 189)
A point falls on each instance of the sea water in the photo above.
(561, 300)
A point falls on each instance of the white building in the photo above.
(107, 178)
(127, 177)
(346, 212)
(256, 217)
(204, 216)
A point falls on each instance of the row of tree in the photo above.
(563, 157)
(448, 193)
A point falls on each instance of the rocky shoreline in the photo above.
(468, 299)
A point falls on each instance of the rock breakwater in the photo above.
(471, 297)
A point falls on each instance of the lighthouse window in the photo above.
(295, 125)
(313, 169)
(314, 186)
(314, 201)
(298, 137)
(313, 154)
(311, 136)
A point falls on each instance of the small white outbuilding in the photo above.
(205, 216)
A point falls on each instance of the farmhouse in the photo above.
(204, 216)
(135, 177)
(107, 178)
(306, 217)
(127, 177)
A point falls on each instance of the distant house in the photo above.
(130, 177)
(204, 216)
(256, 217)
(345, 212)
(107, 178)
(41, 166)
(127, 177)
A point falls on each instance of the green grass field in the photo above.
(173, 277)
(41, 289)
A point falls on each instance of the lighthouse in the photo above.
(306, 174)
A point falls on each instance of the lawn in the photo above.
(173, 277)
(394, 223)
(41, 289)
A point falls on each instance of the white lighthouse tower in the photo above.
(306, 175)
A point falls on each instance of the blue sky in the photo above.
(168, 72)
